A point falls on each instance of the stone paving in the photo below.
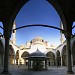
(50, 71)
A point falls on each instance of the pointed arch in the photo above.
(24, 56)
(19, 4)
(58, 53)
(58, 58)
(17, 57)
(51, 60)
(64, 56)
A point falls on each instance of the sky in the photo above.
(37, 12)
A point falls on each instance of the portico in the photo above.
(9, 10)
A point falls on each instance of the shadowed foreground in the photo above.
(50, 71)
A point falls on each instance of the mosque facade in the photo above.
(17, 54)
(31, 46)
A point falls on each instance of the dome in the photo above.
(38, 37)
(37, 53)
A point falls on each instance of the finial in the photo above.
(37, 49)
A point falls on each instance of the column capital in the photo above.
(7, 33)
(7, 28)
(68, 35)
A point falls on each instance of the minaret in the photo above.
(14, 34)
(61, 34)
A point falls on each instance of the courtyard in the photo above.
(21, 70)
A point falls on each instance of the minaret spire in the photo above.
(14, 34)
(62, 35)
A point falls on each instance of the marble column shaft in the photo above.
(7, 35)
(61, 60)
(68, 48)
(6, 57)
(46, 64)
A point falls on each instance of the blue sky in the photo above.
(37, 12)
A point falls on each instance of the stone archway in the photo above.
(73, 52)
(18, 4)
(58, 58)
(1, 53)
(55, 4)
(17, 57)
(24, 56)
(64, 56)
(51, 61)
(11, 55)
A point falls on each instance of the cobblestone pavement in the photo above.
(50, 71)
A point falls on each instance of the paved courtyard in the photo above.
(50, 71)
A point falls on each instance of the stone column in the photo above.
(61, 61)
(14, 58)
(28, 64)
(2, 57)
(45, 64)
(68, 49)
(56, 61)
(6, 55)
(72, 59)
(31, 64)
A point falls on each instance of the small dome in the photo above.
(37, 53)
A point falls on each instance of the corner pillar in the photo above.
(7, 35)
(68, 49)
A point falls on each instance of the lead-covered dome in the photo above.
(37, 53)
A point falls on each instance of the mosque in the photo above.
(64, 53)
(18, 54)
